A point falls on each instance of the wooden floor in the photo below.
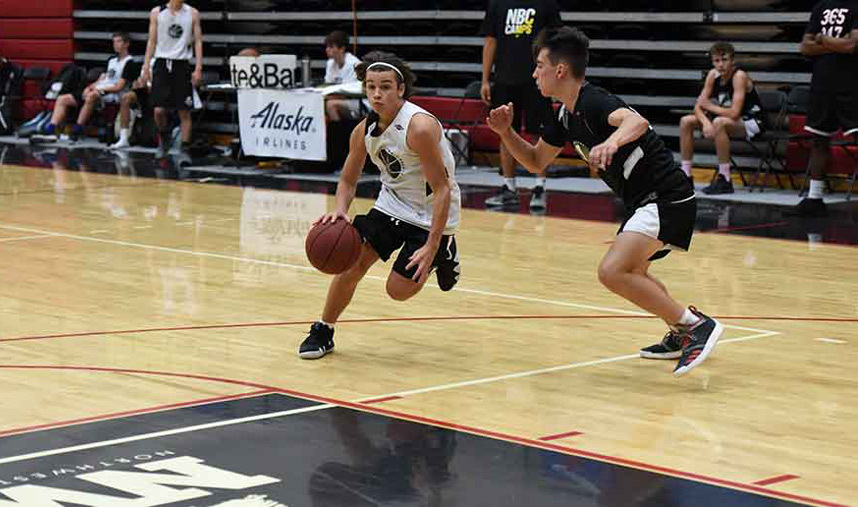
(530, 345)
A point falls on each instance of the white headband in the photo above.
(385, 64)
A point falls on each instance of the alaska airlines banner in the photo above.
(282, 123)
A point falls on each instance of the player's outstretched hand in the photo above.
(602, 155)
(331, 217)
(500, 118)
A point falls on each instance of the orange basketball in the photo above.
(333, 247)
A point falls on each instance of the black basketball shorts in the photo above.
(672, 223)
(171, 85)
(386, 234)
(828, 110)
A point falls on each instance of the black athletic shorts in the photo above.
(672, 223)
(171, 84)
(527, 98)
(386, 234)
(828, 110)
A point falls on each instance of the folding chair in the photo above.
(464, 124)
(774, 109)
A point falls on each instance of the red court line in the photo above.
(779, 478)
(147, 410)
(409, 319)
(459, 427)
(380, 400)
(561, 435)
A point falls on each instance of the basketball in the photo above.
(333, 247)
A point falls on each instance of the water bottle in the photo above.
(305, 70)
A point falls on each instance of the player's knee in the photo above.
(399, 291)
(720, 123)
(609, 275)
(687, 123)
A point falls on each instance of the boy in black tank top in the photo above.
(630, 157)
(728, 106)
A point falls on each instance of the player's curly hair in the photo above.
(407, 78)
(722, 48)
(567, 44)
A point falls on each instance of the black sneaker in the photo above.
(537, 198)
(319, 341)
(505, 197)
(720, 185)
(811, 208)
(448, 269)
(697, 342)
(670, 347)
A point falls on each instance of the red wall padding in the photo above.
(35, 49)
(61, 28)
(36, 8)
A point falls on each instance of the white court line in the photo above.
(531, 373)
(312, 269)
(158, 434)
(22, 238)
(831, 340)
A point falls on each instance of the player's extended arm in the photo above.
(424, 134)
(151, 42)
(198, 48)
(489, 48)
(630, 126)
(352, 169)
(703, 98)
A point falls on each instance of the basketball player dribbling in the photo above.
(634, 162)
(417, 210)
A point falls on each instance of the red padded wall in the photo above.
(36, 8)
(53, 28)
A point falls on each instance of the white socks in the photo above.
(816, 188)
(510, 183)
(686, 167)
(540, 182)
(688, 318)
(724, 170)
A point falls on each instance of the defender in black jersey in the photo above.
(831, 39)
(634, 162)
(728, 106)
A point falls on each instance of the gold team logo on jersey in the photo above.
(519, 21)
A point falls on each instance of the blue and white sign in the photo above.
(283, 123)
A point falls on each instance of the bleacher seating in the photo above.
(653, 54)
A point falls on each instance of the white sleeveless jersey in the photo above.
(115, 67)
(405, 191)
(175, 33)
